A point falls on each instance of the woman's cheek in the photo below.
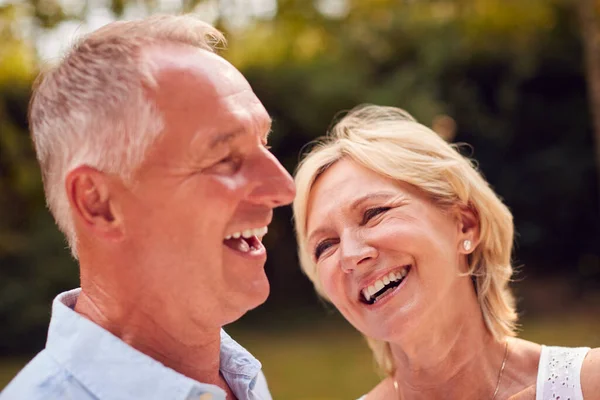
(329, 282)
(396, 233)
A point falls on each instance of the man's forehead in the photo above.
(204, 89)
(227, 119)
(184, 66)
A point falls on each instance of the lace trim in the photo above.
(559, 373)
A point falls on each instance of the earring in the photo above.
(467, 245)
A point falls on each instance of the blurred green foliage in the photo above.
(33, 263)
(509, 73)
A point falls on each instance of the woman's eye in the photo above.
(373, 212)
(321, 247)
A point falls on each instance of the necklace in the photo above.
(497, 383)
(501, 369)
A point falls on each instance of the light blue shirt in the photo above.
(83, 361)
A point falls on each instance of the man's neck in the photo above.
(193, 351)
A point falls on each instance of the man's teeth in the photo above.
(369, 292)
(248, 233)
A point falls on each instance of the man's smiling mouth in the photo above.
(384, 285)
(247, 240)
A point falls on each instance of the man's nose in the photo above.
(275, 186)
(356, 252)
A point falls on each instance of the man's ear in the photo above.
(469, 228)
(89, 193)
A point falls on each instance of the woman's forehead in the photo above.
(347, 182)
(344, 188)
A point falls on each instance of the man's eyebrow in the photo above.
(224, 138)
(227, 137)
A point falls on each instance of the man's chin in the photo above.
(259, 294)
(252, 297)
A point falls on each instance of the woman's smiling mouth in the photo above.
(384, 285)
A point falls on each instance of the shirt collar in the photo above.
(106, 365)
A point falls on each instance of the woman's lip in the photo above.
(368, 282)
(382, 300)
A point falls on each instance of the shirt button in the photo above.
(205, 396)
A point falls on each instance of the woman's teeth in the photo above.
(248, 233)
(373, 292)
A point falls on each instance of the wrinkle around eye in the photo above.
(322, 248)
(374, 212)
(227, 165)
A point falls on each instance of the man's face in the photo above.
(208, 177)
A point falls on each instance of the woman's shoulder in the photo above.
(525, 351)
(523, 361)
(590, 375)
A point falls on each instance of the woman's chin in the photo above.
(388, 332)
(391, 325)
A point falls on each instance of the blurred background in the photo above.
(518, 80)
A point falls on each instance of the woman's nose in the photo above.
(356, 252)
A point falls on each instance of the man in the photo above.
(155, 166)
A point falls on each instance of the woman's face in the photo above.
(387, 257)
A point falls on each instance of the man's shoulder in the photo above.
(43, 378)
(260, 386)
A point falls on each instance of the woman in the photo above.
(404, 236)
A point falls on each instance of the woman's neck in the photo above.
(452, 355)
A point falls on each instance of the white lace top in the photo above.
(559, 373)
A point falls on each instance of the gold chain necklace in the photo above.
(501, 369)
(497, 383)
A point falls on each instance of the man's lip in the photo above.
(258, 251)
(250, 226)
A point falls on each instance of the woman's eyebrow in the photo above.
(314, 234)
(382, 195)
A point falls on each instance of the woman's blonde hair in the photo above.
(390, 142)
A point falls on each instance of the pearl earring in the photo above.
(467, 245)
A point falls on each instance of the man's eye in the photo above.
(321, 247)
(373, 212)
(231, 163)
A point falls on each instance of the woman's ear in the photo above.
(469, 229)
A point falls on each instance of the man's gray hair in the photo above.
(91, 109)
